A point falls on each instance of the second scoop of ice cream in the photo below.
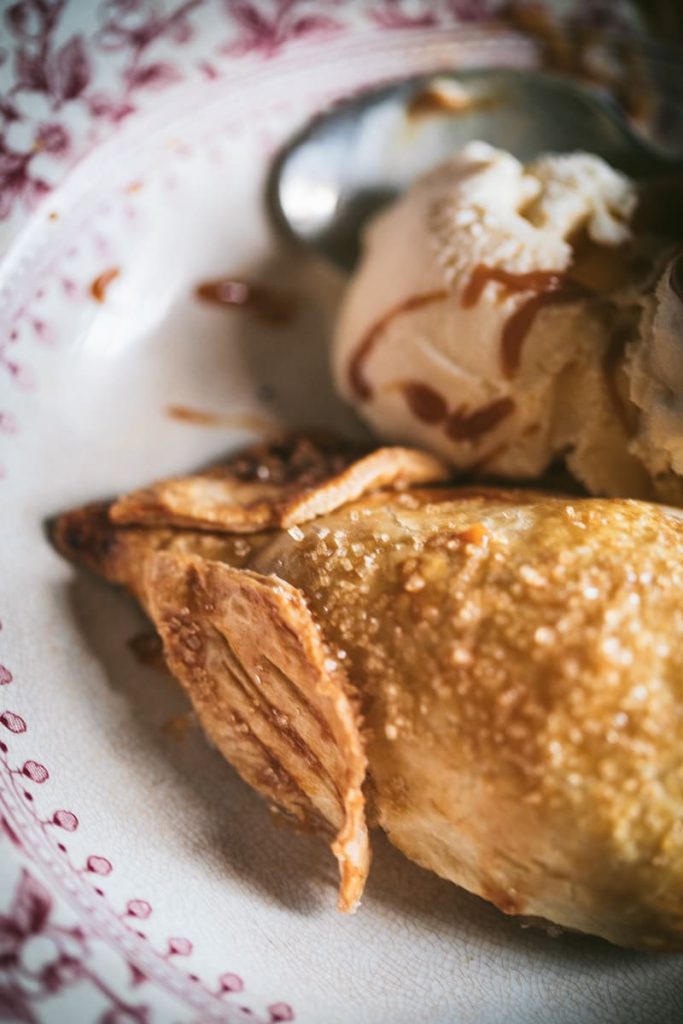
(495, 319)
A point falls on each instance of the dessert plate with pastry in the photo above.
(342, 638)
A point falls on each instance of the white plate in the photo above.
(142, 881)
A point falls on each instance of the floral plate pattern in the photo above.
(141, 881)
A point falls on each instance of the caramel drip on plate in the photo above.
(548, 287)
(203, 418)
(98, 288)
(359, 383)
(275, 308)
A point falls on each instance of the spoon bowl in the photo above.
(357, 156)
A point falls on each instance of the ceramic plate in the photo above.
(141, 880)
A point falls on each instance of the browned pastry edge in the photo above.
(253, 662)
(88, 537)
(274, 486)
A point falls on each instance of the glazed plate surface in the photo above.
(145, 880)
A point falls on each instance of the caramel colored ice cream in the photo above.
(507, 316)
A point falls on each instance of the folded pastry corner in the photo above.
(89, 537)
(252, 659)
(275, 485)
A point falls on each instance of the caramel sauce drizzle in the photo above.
(463, 426)
(199, 417)
(275, 308)
(359, 383)
(548, 287)
(429, 406)
(531, 281)
(520, 323)
(424, 402)
(203, 418)
(98, 288)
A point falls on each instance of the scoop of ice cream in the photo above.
(490, 317)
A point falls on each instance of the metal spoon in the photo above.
(351, 160)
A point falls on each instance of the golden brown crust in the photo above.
(522, 672)
(274, 486)
(251, 657)
(519, 664)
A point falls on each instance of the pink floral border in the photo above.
(56, 76)
(66, 85)
(33, 913)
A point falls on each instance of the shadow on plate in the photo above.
(410, 892)
(288, 357)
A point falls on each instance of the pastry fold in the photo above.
(268, 695)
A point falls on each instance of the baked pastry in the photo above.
(494, 677)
